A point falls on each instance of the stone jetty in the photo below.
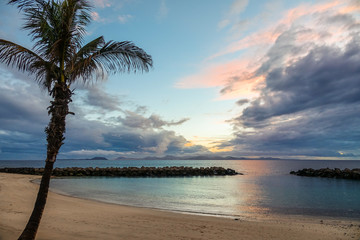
(329, 173)
(128, 171)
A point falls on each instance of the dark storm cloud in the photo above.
(309, 106)
(323, 131)
(23, 117)
(242, 102)
(17, 104)
(325, 76)
(97, 97)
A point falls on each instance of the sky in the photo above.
(232, 77)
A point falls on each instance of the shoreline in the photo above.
(67, 217)
(244, 217)
(253, 216)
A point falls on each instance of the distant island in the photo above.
(94, 158)
(98, 158)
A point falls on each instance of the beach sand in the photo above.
(73, 218)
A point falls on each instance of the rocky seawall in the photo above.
(329, 173)
(128, 171)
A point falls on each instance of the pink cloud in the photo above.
(306, 9)
(255, 40)
(237, 74)
(355, 7)
(268, 35)
(213, 75)
(308, 26)
(95, 16)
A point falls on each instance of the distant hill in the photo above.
(97, 158)
(94, 158)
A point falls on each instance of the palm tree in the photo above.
(58, 59)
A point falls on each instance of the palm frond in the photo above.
(40, 22)
(91, 47)
(124, 57)
(23, 4)
(56, 27)
(110, 58)
(47, 73)
(83, 54)
(26, 60)
(79, 12)
(17, 56)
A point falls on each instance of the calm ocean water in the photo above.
(266, 188)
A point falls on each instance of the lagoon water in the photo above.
(265, 188)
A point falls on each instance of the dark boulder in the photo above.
(353, 174)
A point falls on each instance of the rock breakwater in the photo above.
(329, 173)
(128, 171)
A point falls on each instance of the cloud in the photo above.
(23, 117)
(236, 8)
(96, 17)
(111, 15)
(110, 131)
(310, 101)
(102, 3)
(132, 134)
(319, 132)
(327, 75)
(223, 23)
(235, 78)
(125, 18)
(150, 142)
(135, 120)
(214, 75)
(98, 98)
(242, 102)
(146, 141)
(296, 82)
(292, 36)
(92, 153)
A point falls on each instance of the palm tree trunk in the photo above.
(55, 137)
(34, 221)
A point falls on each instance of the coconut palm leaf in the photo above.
(91, 47)
(18, 56)
(26, 60)
(56, 27)
(23, 4)
(99, 57)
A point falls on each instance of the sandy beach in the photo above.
(72, 218)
